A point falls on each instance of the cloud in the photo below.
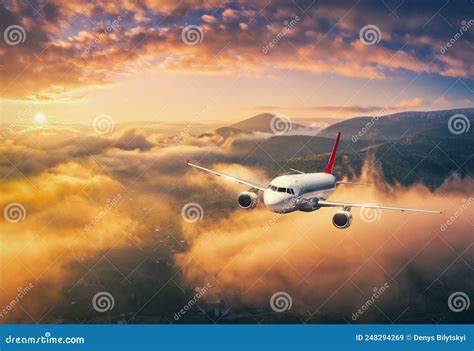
(230, 14)
(140, 35)
(84, 197)
(58, 204)
(352, 109)
(411, 103)
(59, 145)
(87, 197)
(209, 19)
(330, 273)
(104, 213)
(327, 108)
(130, 140)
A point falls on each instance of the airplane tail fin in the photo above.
(330, 165)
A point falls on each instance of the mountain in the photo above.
(256, 141)
(277, 136)
(263, 123)
(425, 159)
(267, 125)
(284, 147)
(318, 123)
(262, 126)
(410, 147)
(398, 125)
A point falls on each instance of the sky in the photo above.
(163, 60)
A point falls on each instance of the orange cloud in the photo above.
(92, 56)
(251, 255)
(87, 196)
(413, 103)
(353, 109)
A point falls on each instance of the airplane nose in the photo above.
(274, 201)
(270, 200)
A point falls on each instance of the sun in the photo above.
(40, 118)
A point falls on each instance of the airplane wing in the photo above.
(349, 205)
(229, 177)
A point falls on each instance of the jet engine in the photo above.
(342, 219)
(247, 200)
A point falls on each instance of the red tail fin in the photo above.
(330, 165)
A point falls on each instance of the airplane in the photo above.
(305, 192)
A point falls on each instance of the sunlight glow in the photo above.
(40, 118)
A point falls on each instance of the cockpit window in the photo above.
(281, 190)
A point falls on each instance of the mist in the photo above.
(109, 218)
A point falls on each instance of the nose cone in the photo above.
(276, 202)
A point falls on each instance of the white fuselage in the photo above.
(290, 193)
